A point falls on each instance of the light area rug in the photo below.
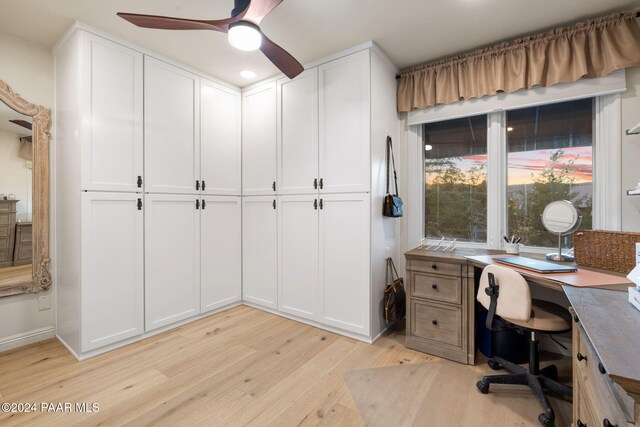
(443, 393)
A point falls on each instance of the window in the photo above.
(549, 156)
(456, 179)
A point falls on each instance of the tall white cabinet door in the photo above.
(345, 124)
(260, 251)
(298, 255)
(172, 259)
(298, 133)
(344, 261)
(220, 251)
(171, 113)
(259, 140)
(112, 268)
(112, 97)
(220, 148)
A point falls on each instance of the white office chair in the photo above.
(505, 293)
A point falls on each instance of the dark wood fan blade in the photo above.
(169, 23)
(258, 9)
(281, 58)
(23, 123)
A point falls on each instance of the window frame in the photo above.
(607, 139)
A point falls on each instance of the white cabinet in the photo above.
(220, 148)
(259, 140)
(344, 115)
(260, 251)
(172, 259)
(298, 255)
(112, 96)
(171, 113)
(298, 134)
(112, 268)
(220, 251)
(344, 261)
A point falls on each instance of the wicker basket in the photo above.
(607, 250)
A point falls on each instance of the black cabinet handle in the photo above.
(139, 204)
(273, 186)
(204, 203)
(607, 423)
(434, 266)
(197, 203)
(601, 368)
(321, 183)
(580, 424)
(435, 322)
(274, 204)
(434, 286)
(197, 184)
(139, 181)
(315, 183)
(203, 185)
(580, 357)
(321, 204)
(315, 204)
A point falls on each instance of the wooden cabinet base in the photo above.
(451, 353)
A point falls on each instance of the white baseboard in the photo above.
(25, 338)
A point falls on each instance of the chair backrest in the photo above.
(514, 296)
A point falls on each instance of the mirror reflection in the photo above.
(16, 206)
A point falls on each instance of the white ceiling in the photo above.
(408, 31)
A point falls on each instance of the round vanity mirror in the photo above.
(560, 218)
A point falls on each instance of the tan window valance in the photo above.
(589, 49)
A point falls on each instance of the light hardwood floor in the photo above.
(239, 367)
(16, 274)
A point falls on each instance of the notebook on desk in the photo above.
(536, 265)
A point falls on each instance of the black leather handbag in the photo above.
(392, 205)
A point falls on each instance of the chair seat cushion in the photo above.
(545, 317)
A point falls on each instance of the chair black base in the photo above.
(539, 380)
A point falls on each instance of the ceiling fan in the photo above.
(242, 28)
(24, 124)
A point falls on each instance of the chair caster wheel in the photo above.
(545, 420)
(483, 387)
(494, 365)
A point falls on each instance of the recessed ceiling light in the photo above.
(428, 147)
(247, 74)
(509, 129)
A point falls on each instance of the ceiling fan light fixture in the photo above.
(244, 35)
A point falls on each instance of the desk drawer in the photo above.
(438, 267)
(584, 408)
(435, 287)
(436, 322)
(607, 399)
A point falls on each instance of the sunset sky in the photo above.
(524, 166)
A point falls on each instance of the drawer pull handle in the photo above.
(601, 368)
(434, 266)
(434, 286)
(581, 424)
(435, 322)
(607, 423)
(580, 357)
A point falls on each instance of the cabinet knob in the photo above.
(435, 322)
(197, 184)
(315, 183)
(315, 204)
(580, 424)
(580, 357)
(434, 286)
(273, 186)
(601, 368)
(434, 266)
(204, 185)
(607, 423)
(139, 181)
(321, 183)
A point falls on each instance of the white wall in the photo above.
(630, 151)
(28, 69)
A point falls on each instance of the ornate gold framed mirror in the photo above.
(40, 277)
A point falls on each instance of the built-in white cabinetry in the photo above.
(220, 141)
(298, 255)
(344, 123)
(112, 131)
(112, 268)
(344, 261)
(172, 258)
(171, 128)
(260, 251)
(259, 140)
(220, 251)
(298, 134)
